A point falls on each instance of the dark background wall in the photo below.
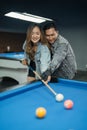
(77, 37)
(13, 40)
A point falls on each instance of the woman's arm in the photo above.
(45, 58)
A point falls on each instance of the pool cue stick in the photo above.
(43, 81)
(37, 76)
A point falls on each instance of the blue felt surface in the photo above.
(17, 111)
(18, 55)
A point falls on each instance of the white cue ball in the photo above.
(59, 97)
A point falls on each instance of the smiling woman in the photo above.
(37, 51)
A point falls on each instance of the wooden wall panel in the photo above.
(14, 40)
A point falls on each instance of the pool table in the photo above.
(18, 106)
(12, 68)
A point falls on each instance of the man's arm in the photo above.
(59, 55)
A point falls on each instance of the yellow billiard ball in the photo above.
(40, 112)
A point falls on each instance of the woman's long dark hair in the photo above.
(30, 48)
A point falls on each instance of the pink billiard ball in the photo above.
(68, 104)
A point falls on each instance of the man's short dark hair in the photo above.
(49, 25)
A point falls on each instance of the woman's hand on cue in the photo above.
(24, 62)
(48, 79)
